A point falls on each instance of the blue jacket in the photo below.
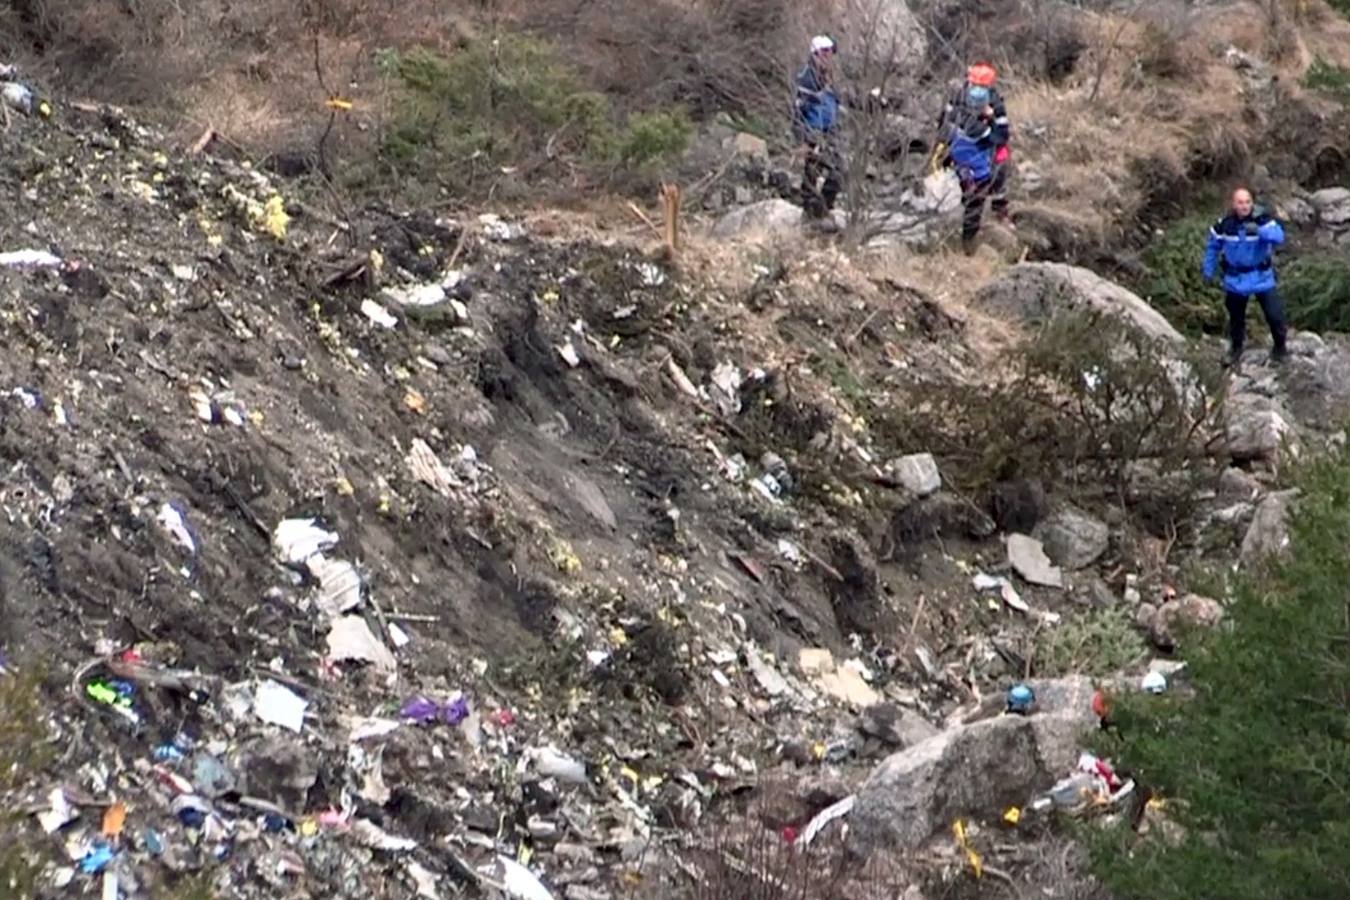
(1246, 247)
(817, 105)
(972, 151)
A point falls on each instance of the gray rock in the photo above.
(768, 219)
(1268, 535)
(1033, 292)
(1333, 206)
(750, 146)
(971, 769)
(885, 32)
(1165, 623)
(917, 473)
(1298, 211)
(1237, 484)
(895, 727)
(278, 769)
(1255, 428)
(1073, 539)
(1027, 558)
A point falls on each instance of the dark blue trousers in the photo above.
(1271, 307)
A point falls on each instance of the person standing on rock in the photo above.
(975, 112)
(1244, 243)
(815, 124)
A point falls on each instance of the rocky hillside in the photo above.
(363, 551)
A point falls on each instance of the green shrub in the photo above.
(1255, 765)
(1101, 642)
(1317, 291)
(1079, 403)
(1329, 78)
(511, 101)
(1174, 283)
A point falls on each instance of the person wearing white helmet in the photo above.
(815, 123)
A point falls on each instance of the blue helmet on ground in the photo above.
(1021, 698)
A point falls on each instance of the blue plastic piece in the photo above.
(97, 859)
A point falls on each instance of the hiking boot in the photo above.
(1232, 359)
(968, 245)
(1279, 356)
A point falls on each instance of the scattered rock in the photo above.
(774, 218)
(886, 32)
(917, 473)
(1165, 623)
(1034, 292)
(1255, 429)
(974, 768)
(844, 681)
(1238, 484)
(895, 727)
(1333, 206)
(1268, 535)
(1073, 539)
(1027, 558)
(750, 146)
(1018, 505)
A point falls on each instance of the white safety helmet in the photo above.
(822, 43)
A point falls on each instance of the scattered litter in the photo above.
(183, 272)
(726, 379)
(29, 399)
(375, 837)
(1021, 699)
(773, 683)
(498, 230)
(1012, 815)
(825, 817)
(398, 636)
(114, 817)
(339, 584)
(97, 859)
(569, 354)
(364, 729)
(976, 863)
(174, 522)
(352, 640)
(789, 551)
(429, 470)
(520, 882)
(550, 763)
(1154, 682)
(420, 295)
(59, 812)
(424, 710)
(378, 314)
(425, 880)
(296, 540)
(30, 259)
(22, 98)
(843, 682)
(278, 705)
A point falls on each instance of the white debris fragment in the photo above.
(498, 230)
(352, 640)
(569, 354)
(26, 397)
(421, 295)
(429, 470)
(176, 524)
(769, 679)
(652, 276)
(789, 551)
(378, 314)
(296, 540)
(825, 817)
(372, 835)
(520, 882)
(726, 378)
(398, 636)
(29, 259)
(183, 272)
(551, 763)
(279, 705)
(59, 812)
(339, 584)
(366, 728)
(425, 880)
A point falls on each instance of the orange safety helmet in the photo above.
(982, 75)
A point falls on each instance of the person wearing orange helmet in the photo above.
(976, 105)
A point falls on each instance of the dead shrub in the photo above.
(1170, 50)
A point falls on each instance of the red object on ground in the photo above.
(1003, 154)
(1100, 705)
(789, 834)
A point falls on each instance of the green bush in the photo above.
(511, 101)
(1329, 78)
(1174, 282)
(1317, 292)
(1100, 642)
(1255, 765)
(1079, 403)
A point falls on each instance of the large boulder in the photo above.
(1333, 206)
(1268, 535)
(974, 768)
(1165, 623)
(880, 31)
(767, 219)
(1073, 539)
(1033, 292)
(1255, 428)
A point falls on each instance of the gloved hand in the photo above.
(1252, 228)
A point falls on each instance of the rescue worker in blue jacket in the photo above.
(815, 124)
(970, 148)
(1243, 243)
